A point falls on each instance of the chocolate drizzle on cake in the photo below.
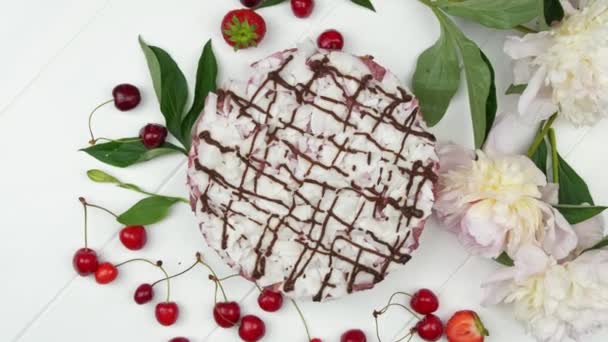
(312, 239)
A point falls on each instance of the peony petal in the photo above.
(536, 103)
(531, 260)
(589, 232)
(482, 234)
(522, 70)
(530, 45)
(550, 193)
(510, 135)
(452, 156)
(560, 239)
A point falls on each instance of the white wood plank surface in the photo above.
(60, 58)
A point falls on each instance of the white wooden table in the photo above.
(60, 58)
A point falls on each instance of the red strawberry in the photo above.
(466, 326)
(243, 28)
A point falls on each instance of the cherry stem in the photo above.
(303, 319)
(388, 305)
(216, 279)
(158, 264)
(410, 335)
(213, 276)
(86, 237)
(85, 203)
(176, 275)
(229, 277)
(93, 140)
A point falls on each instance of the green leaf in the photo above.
(572, 188)
(492, 102)
(478, 75)
(505, 259)
(126, 152)
(501, 14)
(173, 88)
(437, 77)
(153, 66)
(101, 177)
(540, 157)
(553, 11)
(206, 77)
(269, 3)
(365, 3)
(516, 89)
(578, 213)
(147, 211)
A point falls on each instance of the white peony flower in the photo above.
(495, 203)
(566, 68)
(558, 303)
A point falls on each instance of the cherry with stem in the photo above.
(125, 97)
(85, 260)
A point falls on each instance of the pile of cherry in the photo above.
(464, 326)
(245, 28)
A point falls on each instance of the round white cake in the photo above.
(315, 175)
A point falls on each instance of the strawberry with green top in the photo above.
(466, 326)
(243, 28)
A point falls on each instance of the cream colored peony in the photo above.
(566, 68)
(558, 303)
(495, 204)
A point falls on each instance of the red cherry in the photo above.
(354, 335)
(302, 8)
(424, 301)
(133, 237)
(153, 135)
(270, 301)
(179, 339)
(330, 40)
(106, 273)
(250, 3)
(430, 328)
(166, 313)
(226, 314)
(85, 261)
(316, 340)
(143, 294)
(126, 96)
(252, 328)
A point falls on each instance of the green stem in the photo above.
(303, 319)
(93, 140)
(525, 29)
(541, 135)
(135, 188)
(554, 156)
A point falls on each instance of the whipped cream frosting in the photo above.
(315, 175)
